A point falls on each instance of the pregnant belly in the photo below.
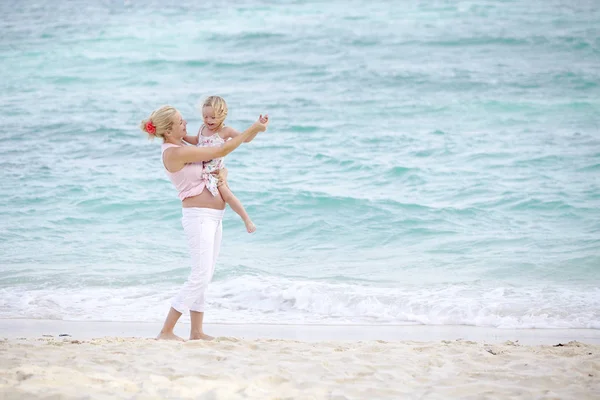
(204, 200)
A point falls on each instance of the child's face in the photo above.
(210, 119)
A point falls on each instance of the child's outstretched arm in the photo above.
(193, 139)
(229, 133)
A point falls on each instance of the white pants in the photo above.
(203, 229)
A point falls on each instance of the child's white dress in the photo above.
(213, 165)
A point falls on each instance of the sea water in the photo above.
(427, 162)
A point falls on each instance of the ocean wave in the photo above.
(252, 299)
(477, 41)
(248, 38)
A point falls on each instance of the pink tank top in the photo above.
(190, 180)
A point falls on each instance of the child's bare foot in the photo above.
(250, 226)
(200, 336)
(169, 336)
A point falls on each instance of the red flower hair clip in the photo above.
(150, 128)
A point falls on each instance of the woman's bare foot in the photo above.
(250, 226)
(200, 336)
(169, 336)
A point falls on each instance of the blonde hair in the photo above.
(161, 119)
(218, 105)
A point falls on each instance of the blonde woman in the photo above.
(214, 133)
(202, 211)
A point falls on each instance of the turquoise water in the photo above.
(427, 162)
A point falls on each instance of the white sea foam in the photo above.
(253, 299)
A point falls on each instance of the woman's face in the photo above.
(178, 130)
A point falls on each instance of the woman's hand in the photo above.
(262, 123)
(222, 176)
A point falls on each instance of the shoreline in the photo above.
(32, 328)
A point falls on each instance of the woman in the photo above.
(202, 211)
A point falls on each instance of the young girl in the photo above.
(214, 134)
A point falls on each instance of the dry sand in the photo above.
(230, 368)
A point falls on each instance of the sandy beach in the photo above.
(322, 364)
(425, 198)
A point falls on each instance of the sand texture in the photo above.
(230, 368)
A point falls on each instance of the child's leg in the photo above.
(237, 206)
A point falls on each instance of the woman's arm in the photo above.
(221, 176)
(176, 157)
(230, 133)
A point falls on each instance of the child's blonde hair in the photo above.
(159, 122)
(218, 105)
